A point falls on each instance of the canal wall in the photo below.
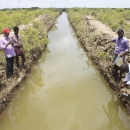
(7, 88)
(94, 36)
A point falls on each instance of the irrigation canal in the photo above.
(64, 91)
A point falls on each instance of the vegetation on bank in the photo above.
(110, 17)
(94, 36)
(35, 34)
(15, 17)
(114, 18)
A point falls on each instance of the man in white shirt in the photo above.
(125, 68)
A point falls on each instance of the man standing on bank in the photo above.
(18, 46)
(122, 46)
(6, 45)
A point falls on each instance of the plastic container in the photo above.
(119, 60)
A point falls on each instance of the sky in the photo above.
(64, 3)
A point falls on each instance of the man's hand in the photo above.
(108, 41)
(15, 41)
(8, 44)
(123, 85)
(121, 55)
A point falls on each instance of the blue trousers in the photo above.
(9, 66)
(115, 57)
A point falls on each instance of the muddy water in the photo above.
(64, 91)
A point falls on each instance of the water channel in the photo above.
(64, 91)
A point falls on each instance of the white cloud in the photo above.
(63, 3)
(76, 0)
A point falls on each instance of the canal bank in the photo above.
(94, 36)
(8, 87)
(64, 90)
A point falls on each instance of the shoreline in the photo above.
(95, 46)
(10, 87)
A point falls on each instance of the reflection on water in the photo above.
(112, 114)
(64, 91)
(54, 28)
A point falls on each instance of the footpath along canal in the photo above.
(64, 91)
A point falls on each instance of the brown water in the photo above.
(64, 91)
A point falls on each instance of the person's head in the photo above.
(120, 33)
(16, 30)
(124, 68)
(6, 32)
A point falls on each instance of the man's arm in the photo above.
(126, 43)
(8, 44)
(2, 45)
(113, 40)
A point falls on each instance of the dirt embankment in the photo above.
(7, 87)
(94, 37)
